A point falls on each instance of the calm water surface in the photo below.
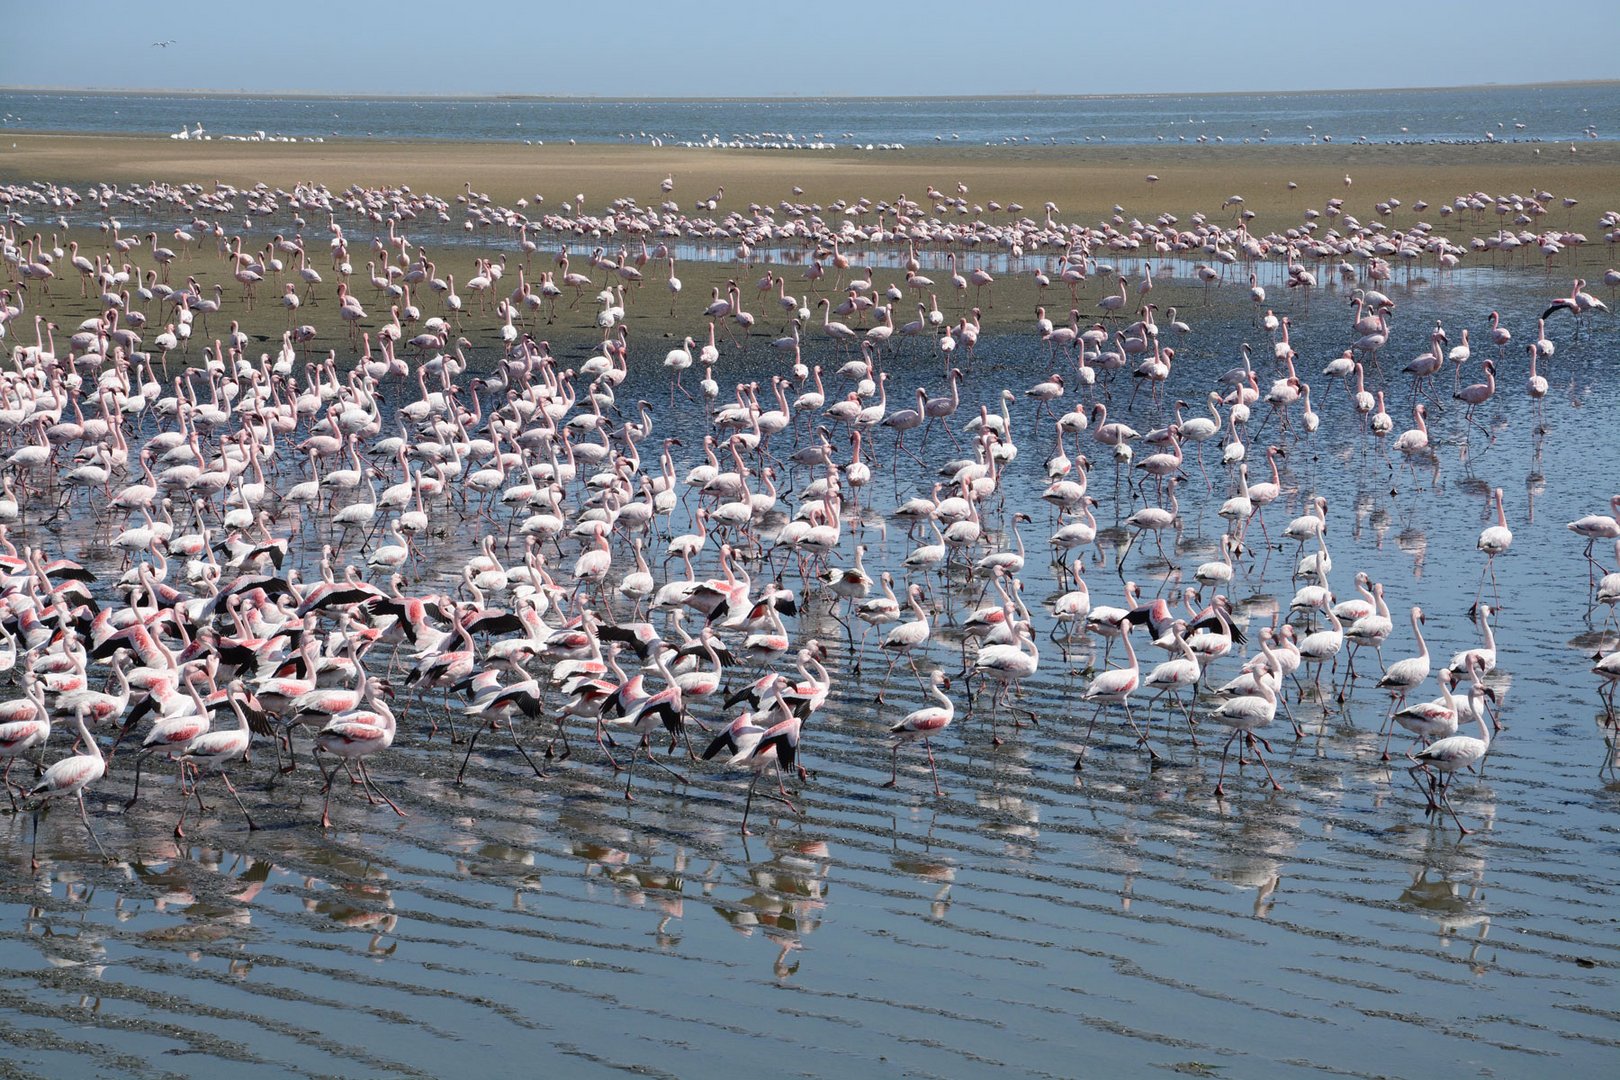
(1510, 112)
(1034, 921)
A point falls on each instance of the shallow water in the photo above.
(1034, 919)
(1382, 116)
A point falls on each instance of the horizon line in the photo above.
(1000, 95)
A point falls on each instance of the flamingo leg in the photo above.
(84, 813)
(603, 745)
(1220, 779)
(630, 775)
(537, 770)
(678, 777)
(326, 802)
(230, 787)
(1141, 739)
(372, 784)
(1387, 736)
(292, 759)
(749, 803)
(472, 741)
(185, 804)
(1080, 761)
(1445, 799)
(140, 759)
(1262, 759)
(1428, 792)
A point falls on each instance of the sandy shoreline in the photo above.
(1085, 182)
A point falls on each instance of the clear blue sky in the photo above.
(723, 48)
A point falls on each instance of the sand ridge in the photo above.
(1085, 183)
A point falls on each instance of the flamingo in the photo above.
(1248, 714)
(1114, 304)
(70, 776)
(903, 639)
(1407, 674)
(1478, 394)
(666, 709)
(1597, 527)
(1608, 588)
(1008, 664)
(1175, 673)
(1440, 761)
(923, 723)
(352, 737)
(1114, 687)
(25, 723)
(839, 332)
(1500, 335)
(1495, 539)
(759, 748)
(496, 704)
(1483, 657)
(216, 749)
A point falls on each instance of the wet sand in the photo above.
(1086, 183)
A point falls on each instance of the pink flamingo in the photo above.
(1478, 394)
(923, 723)
(70, 776)
(1114, 687)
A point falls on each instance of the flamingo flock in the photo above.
(267, 570)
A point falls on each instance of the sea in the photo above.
(1557, 112)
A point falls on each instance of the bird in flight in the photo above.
(162, 44)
